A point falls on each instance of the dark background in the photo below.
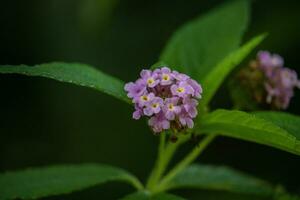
(46, 122)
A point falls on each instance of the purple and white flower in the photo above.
(279, 81)
(135, 89)
(150, 78)
(182, 89)
(154, 106)
(144, 99)
(171, 109)
(138, 113)
(167, 97)
(186, 120)
(196, 86)
(159, 122)
(166, 76)
(190, 106)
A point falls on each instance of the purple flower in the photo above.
(182, 89)
(137, 113)
(197, 88)
(185, 119)
(171, 108)
(277, 60)
(135, 89)
(151, 79)
(271, 92)
(166, 76)
(280, 87)
(159, 122)
(264, 58)
(279, 81)
(168, 97)
(179, 76)
(144, 99)
(288, 78)
(190, 106)
(267, 60)
(154, 106)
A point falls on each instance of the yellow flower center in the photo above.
(155, 105)
(180, 89)
(144, 98)
(171, 106)
(166, 77)
(150, 81)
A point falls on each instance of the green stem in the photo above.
(161, 149)
(136, 183)
(184, 163)
(165, 154)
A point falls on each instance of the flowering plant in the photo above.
(174, 95)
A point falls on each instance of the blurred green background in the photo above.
(45, 122)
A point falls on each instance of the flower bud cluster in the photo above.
(279, 81)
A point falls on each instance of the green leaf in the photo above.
(79, 74)
(216, 76)
(241, 125)
(202, 43)
(55, 180)
(147, 196)
(288, 122)
(222, 178)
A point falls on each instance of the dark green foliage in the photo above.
(41, 182)
(201, 44)
(79, 74)
(210, 177)
(241, 125)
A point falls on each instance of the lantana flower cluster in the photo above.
(168, 98)
(279, 81)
